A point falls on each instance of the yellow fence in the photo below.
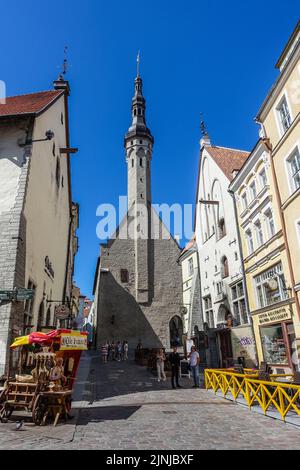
(282, 396)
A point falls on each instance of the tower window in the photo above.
(134, 112)
(141, 162)
(124, 275)
(142, 196)
(141, 142)
(139, 111)
(132, 163)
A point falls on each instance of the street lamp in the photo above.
(49, 136)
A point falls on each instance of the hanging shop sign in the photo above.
(277, 315)
(62, 312)
(75, 341)
(16, 295)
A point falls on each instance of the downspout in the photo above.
(231, 192)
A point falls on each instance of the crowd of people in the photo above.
(114, 351)
(118, 351)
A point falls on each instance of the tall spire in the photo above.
(138, 61)
(138, 126)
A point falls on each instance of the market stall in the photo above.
(47, 371)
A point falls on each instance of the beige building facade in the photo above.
(37, 222)
(279, 117)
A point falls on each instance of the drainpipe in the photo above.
(231, 192)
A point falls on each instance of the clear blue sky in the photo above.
(216, 57)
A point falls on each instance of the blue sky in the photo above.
(213, 57)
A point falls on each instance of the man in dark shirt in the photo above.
(174, 359)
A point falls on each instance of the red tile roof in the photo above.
(228, 159)
(32, 103)
(189, 245)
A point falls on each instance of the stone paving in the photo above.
(122, 406)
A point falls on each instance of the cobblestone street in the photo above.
(122, 406)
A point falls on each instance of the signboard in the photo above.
(277, 315)
(16, 295)
(62, 312)
(74, 341)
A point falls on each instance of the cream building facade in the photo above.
(265, 260)
(36, 212)
(279, 117)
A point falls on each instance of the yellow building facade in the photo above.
(279, 117)
(271, 305)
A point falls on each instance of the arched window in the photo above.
(225, 267)
(222, 228)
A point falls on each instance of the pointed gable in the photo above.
(227, 159)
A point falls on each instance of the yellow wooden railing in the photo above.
(282, 396)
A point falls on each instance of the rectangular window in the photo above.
(28, 310)
(244, 201)
(253, 190)
(209, 314)
(294, 169)
(263, 178)
(191, 267)
(284, 115)
(239, 304)
(249, 238)
(124, 275)
(273, 344)
(259, 233)
(270, 287)
(270, 223)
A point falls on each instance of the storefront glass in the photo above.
(273, 344)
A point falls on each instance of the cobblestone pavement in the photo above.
(124, 407)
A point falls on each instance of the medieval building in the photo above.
(138, 287)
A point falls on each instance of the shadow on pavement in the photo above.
(107, 413)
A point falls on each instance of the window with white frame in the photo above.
(239, 303)
(250, 244)
(294, 169)
(270, 287)
(284, 115)
(191, 267)
(259, 233)
(244, 201)
(253, 191)
(270, 223)
(263, 178)
(209, 313)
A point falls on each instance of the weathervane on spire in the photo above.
(138, 61)
(203, 126)
(65, 65)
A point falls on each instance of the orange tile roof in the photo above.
(228, 159)
(32, 103)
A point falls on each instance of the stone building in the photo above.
(138, 288)
(36, 212)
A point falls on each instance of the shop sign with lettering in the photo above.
(277, 315)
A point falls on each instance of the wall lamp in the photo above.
(49, 136)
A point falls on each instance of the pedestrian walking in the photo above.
(113, 351)
(125, 350)
(119, 351)
(160, 364)
(194, 365)
(104, 352)
(174, 359)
